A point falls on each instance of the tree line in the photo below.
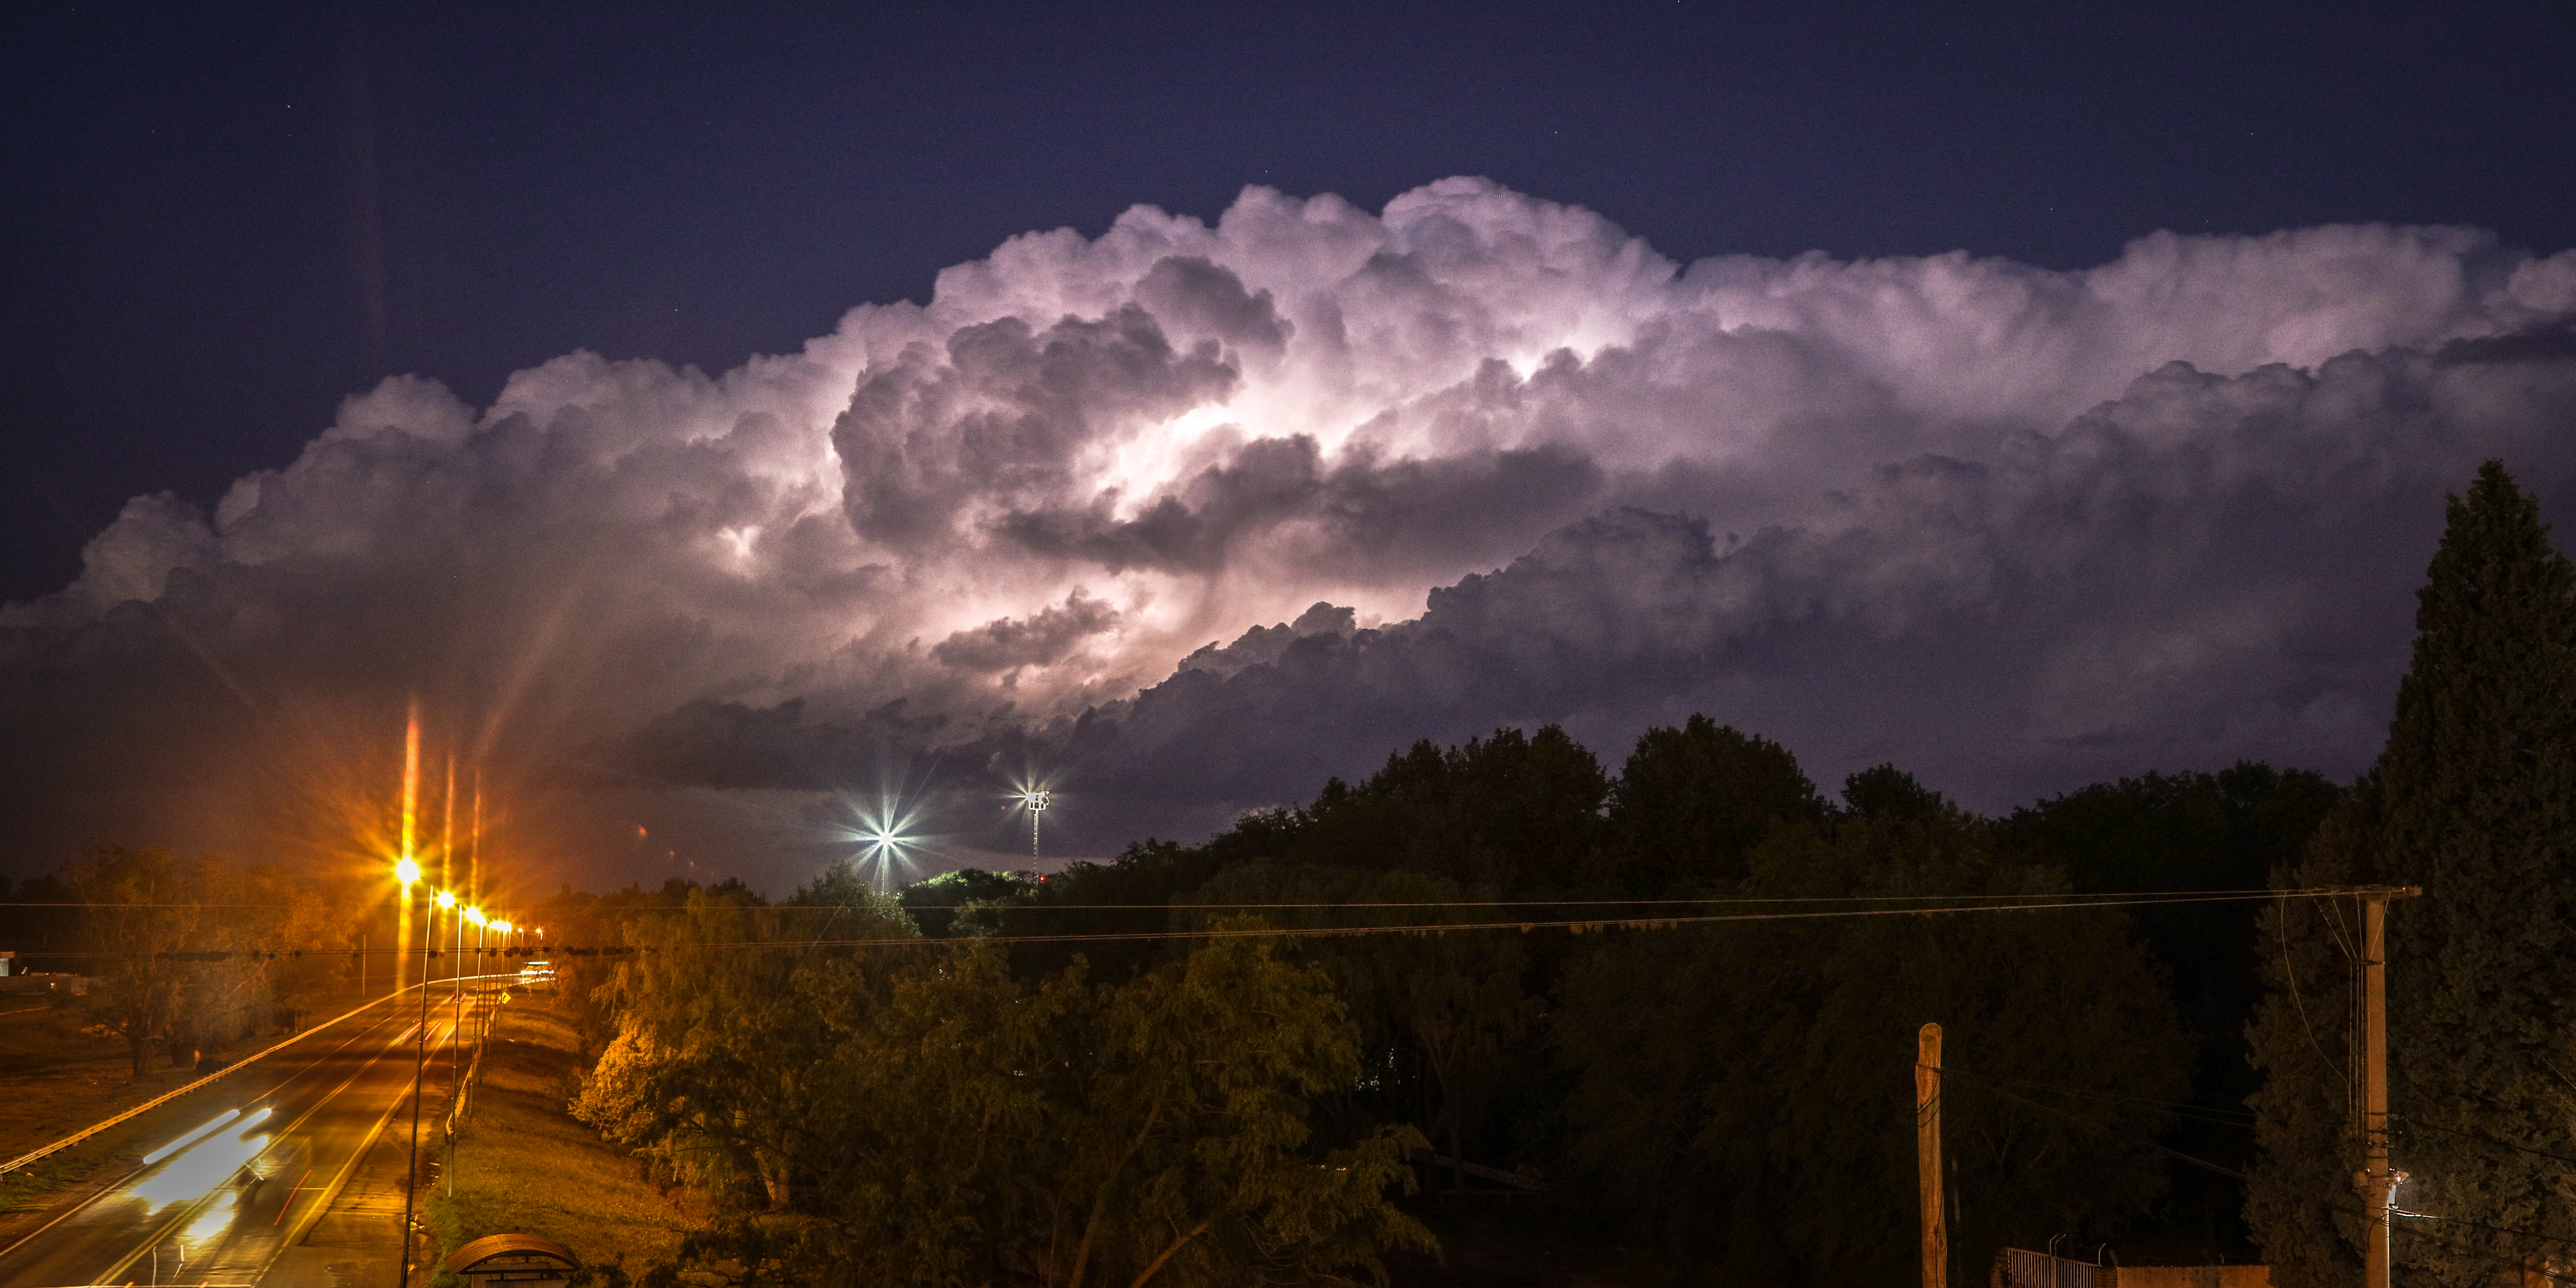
(184, 957)
(963, 1108)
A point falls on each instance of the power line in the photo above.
(2082, 899)
(2102, 1127)
(2016, 903)
(2202, 1113)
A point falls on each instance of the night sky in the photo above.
(1570, 430)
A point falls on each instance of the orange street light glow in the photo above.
(446, 898)
(406, 872)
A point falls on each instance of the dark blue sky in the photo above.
(218, 224)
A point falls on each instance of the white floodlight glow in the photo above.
(885, 829)
(885, 833)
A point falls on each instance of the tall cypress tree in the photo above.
(2474, 799)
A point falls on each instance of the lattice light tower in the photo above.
(1035, 801)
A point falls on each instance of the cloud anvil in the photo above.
(1475, 459)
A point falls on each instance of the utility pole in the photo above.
(1927, 1154)
(2378, 1181)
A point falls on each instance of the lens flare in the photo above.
(887, 831)
(887, 836)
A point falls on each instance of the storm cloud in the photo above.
(1191, 515)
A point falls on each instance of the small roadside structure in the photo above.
(516, 1260)
(2020, 1268)
(43, 983)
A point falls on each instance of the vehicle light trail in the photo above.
(206, 1166)
(184, 1141)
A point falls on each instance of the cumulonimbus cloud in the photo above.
(1480, 457)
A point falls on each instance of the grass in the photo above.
(524, 1165)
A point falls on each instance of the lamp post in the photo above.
(482, 991)
(407, 873)
(456, 973)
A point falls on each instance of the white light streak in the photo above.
(211, 1162)
(184, 1141)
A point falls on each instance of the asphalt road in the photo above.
(198, 1216)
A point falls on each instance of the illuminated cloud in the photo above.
(1208, 511)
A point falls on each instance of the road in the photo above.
(297, 1121)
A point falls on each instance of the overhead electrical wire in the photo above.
(1992, 903)
(2184, 1109)
(1947, 1075)
(2164, 896)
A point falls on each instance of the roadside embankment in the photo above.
(523, 1164)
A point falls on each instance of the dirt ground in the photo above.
(55, 1080)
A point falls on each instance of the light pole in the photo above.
(456, 974)
(482, 991)
(407, 873)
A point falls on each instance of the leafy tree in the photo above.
(1691, 802)
(1131, 895)
(196, 953)
(144, 906)
(1445, 1004)
(2299, 1197)
(1190, 1165)
(934, 904)
(1153, 1131)
(713, 1068)
(2190, 831)
(1514, 812)
(2474, 799)
(1744, 1089)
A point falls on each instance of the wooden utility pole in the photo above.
(1927, 1151)
(2378, 1180)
